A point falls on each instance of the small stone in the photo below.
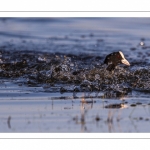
(133, 48)
(133, 105)
(140, 118)
(97, 118)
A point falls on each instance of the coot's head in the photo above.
(113, 59)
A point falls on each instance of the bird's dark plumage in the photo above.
(115, 58)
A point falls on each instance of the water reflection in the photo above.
(85, 106)
(114, 112)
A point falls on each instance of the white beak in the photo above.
(124, 61)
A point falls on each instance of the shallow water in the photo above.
(53, 78)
